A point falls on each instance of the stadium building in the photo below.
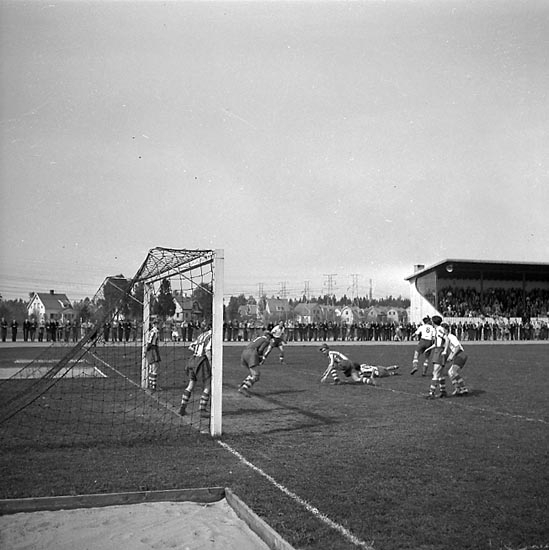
(477, 290)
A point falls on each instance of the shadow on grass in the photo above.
(472, 393)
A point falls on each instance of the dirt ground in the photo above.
(153, 525)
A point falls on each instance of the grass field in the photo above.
(344, 467)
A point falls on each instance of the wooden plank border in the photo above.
(203, 495)
(264, 531)
(200, 495)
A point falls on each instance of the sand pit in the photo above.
(148, 525)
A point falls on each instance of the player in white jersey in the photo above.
(378, 371)
(278, 333)
(426, 334)
(438, 357)
(456, 357)
(199, 366)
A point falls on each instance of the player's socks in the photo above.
(184, 400)
(414, 364)
(442, 383)
(204, 400)
(246, 385)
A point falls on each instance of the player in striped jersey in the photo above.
(426, 333)
(153, 355)
(252, 358)
(378, 371)
(457, 359)
(338, 362)
(199, 366)
(438, 357)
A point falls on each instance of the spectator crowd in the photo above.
(494, 302)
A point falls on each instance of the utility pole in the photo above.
(354, 287)
(307, 290)
(283, 291)
(260, 290)
(330, 283)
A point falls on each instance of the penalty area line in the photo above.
(311, 509)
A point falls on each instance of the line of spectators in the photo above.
(499, 330)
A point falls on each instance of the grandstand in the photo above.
(471, 290)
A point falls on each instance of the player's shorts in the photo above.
(459, 359)
(422, 345)
(153, 355)
(277, 342)
(250, 358)
(436, 356)
(198, 368)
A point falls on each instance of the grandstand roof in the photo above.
(467, 269)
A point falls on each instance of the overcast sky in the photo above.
(309, 140)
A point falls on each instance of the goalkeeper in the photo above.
(253, 356)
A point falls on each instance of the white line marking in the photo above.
(311, 509)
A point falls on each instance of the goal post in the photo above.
(146, 325)
(217, 344)
(187, 273)
(99, 389)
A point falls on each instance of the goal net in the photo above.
(98, 388)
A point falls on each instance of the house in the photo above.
(396, 315)
(249, 312)
(186, 309)
(376, 314)
(46, 306)
(308, 313)
(277, 309)
(352, 315)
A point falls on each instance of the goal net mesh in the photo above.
(95, 390)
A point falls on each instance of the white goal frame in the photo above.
(217, 260)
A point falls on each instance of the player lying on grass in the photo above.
(356, 372)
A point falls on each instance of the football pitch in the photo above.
(349, 466)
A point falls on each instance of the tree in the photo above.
(164, 304)
(83, 310)
(234, 305)
(114, 294)
(203, 295)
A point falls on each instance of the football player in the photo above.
(252, 358)
(457, 359)
(438, 357)
(338, 362)
(426, 333)
(278, 341)
(199, 365)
